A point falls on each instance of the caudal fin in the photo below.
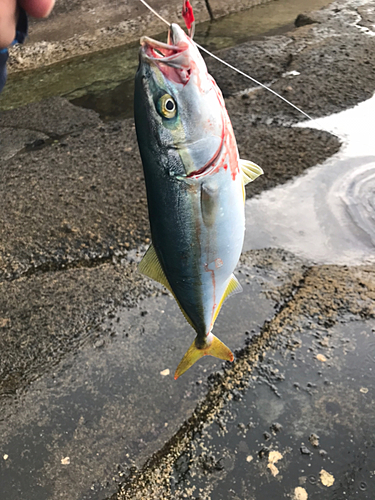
(214, 347)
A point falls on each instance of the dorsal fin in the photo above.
(150, 266)
(250, 171)
(232, 288)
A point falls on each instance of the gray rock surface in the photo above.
(13, 141)
(303, 370)
(89, 175)
(53, 117)
(85, 339)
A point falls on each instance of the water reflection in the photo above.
(327, 215)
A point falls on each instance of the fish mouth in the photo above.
(172, 58)
(156, 50)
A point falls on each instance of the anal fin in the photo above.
(233, 287)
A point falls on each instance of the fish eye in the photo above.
(166, 106)
(169, 104)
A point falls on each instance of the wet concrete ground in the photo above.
(85, 340)
(293, 417)
(110, 402)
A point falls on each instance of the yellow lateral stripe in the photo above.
(184, 313)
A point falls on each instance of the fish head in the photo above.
(178, 105)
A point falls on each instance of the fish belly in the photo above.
(197, 231)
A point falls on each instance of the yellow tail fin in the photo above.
(214, 347)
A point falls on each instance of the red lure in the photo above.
(188, 14)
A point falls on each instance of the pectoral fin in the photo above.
(209, 203)
(250, 171)
(213, 347)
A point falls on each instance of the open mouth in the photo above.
(165, 52)
(171, 58)
(158, 50)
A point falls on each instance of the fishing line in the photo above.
(154, 12)
(230, 66)
(252, 79)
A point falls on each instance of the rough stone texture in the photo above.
(367, 16)
(72, 204)
(283, 152)
(304, 20)
(11, 141)
(102, 363)
(45, 316)
(91, 180)
(84, 26)
(70, 18)
(335, 60)
(54, 117)
(92, 183)
(89, 16)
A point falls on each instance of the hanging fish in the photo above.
(195, 185)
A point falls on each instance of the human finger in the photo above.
(37, 8)
(8, 20)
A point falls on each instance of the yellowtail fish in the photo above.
(195, 185)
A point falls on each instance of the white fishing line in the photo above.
(154, 12)
(252, 79)
(230, 66)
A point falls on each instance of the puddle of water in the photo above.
(328, 214)
(104, 81)
(74, 78)
(267, 19)
(73, 434)
(291, 396)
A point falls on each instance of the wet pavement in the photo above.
(327, 215)
(98, 407)
(294, 420)
(89, 346)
